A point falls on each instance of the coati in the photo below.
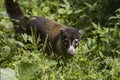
(62, 40)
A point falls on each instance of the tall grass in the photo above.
(97, 57)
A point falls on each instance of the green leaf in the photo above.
(95, 25)
(5, 51)
(78, 11)
(25, 37)
(88, 5)
(8, 74)
(116, 32)
(27, 70)
(101, 54)
(20, 44)
(61, 11)
(50, 63)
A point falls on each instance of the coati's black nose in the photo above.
(71, 53)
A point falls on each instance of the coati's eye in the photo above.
(65, 42)
(75, 41)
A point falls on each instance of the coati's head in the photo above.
(70, 38)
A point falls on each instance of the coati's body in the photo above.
(43, 27)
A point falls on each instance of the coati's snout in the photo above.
(70, 39)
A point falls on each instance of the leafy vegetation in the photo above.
(98, 55)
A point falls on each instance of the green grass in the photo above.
(97, 58)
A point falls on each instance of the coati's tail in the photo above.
(13, 9)
(16, 15)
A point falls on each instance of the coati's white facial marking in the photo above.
(70, 46)
(71, 50)
(66, 41)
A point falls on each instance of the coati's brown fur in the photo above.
(41, 26)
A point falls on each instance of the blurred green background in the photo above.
(98, 56)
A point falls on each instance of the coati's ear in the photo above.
(62, 31)
(81, 32)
